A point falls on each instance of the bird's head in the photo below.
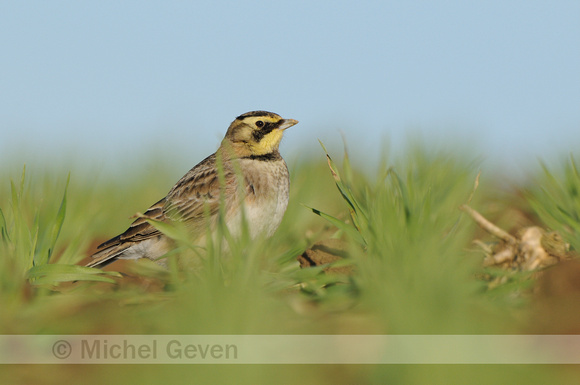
(256, 133)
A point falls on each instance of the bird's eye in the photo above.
(259, 124)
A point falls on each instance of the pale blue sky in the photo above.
(109, 79)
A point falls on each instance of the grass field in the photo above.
(415, 269)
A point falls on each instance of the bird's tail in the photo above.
(107, 255)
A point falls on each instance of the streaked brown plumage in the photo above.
(249, 150)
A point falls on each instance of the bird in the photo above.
(246, 173)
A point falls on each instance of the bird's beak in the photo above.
(286, 123)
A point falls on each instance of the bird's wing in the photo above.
(194, 197)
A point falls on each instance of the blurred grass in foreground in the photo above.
(409, 245)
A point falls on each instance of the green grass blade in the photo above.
(346, 165)
(70, 278)
(22, 179)
(355, 209)
(4, 227)
(57, 226)
(348, 229)
(38, 271)
(403, 193)
(21, 233)
(14, 192)
(61, 273)
(34, 238)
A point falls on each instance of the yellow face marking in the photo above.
(269, 142)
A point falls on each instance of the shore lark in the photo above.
(255, 177)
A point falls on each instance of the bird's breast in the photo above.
(267, 191)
